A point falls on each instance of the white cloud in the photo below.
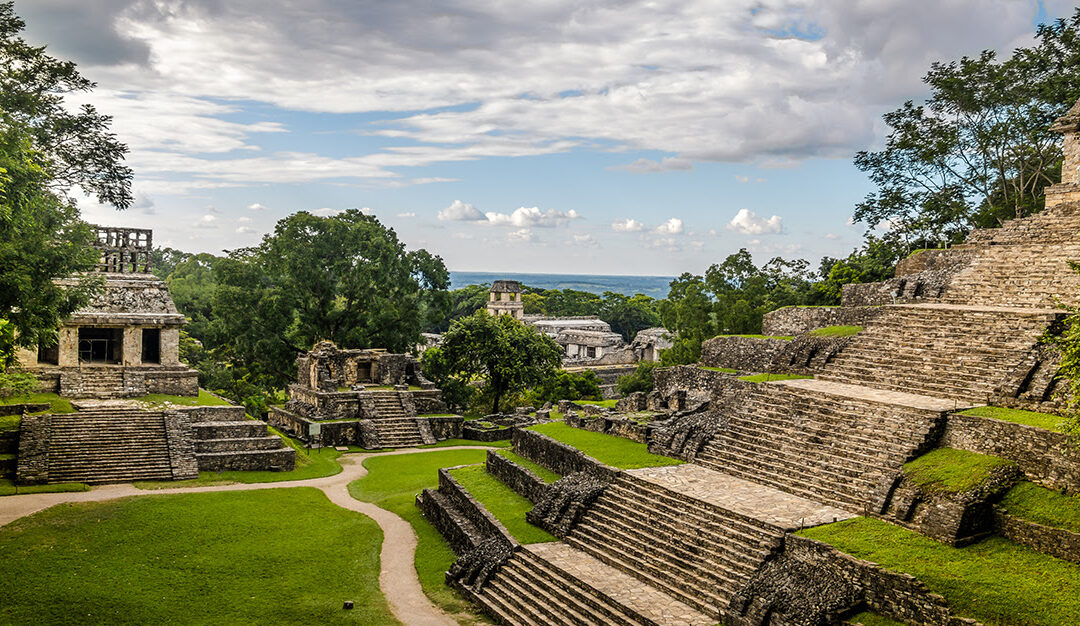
(673, 226)
(245, 230)
(256, 207)
(628, 225)
(244, 220)
(465, 236)
(748, 223)
(327, 212)
(585, 240)
(459, 211)
(523, 234)
(742, 178)
(667, 164)
(532, 216)
(832, 236)
(207, 221)
(407, 214)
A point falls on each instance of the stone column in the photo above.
(27, 358)
(131, 350)
(68, 347)
(170, 345)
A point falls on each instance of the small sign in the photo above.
(314, 430)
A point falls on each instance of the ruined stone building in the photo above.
(505, 299)
(368, 397)
(125, 341)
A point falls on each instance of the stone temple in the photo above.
(125, 341)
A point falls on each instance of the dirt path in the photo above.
(397, 576)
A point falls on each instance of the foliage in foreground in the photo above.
(1043, 506)
(994, 581)
(195, 559)
(640, 380)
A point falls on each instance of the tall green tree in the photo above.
(978, 151)
(629, 314)
(503, 354)
(344, 278)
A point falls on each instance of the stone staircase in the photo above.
(388, 405)
(399, 432)
(554, 583)
(946, 350)
(695, 552)
(101, 383)
(226, 440)
(108, 445)
(825, 441)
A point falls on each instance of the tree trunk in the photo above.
(496, 386)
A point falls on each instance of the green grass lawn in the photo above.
(261, 557)
(836, 331)
(765, 378)
(392, 484)
(614, 451)
(8, 488)
(205, 398)
(505, 443)
(868, 618)
(503, 502)
(952, 471)
(610, 404)
(994, 581)
(725, 370)
(10, 422)
(1019, 416)
(544, 473)
(1043, 506)
(57, 404)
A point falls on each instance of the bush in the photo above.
(16, 384)
(641, 380)
(565, 385)
(684, 352)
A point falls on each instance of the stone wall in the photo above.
(1045, 457)
(745, 354)
(180, 440)
(429, 401)
(796, 320)
(1056, 542)
(443, 428)
(486, 524)
(474, 433)
(33, 463)
(832, 584)
(519, 478)
(698, 384)
(557, 456)
(927, 285)
(613, 425)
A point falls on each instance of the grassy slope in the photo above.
(609, 449)
(604, 403)
(995, 581)
(764, 378)
(867, 618)
(1043, 506)
(1019, 416)
(392, 483)
(836, 331)
(205, 398)
(502, 502)
(952, 471)
(260, 557)
(544, 473)
(58, 404)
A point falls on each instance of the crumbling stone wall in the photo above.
(181, 442)
(519, 478)
(796, 320)
(564, 502)
(33, 462)
(922, 286)
(745, 354)
(1056, 542)
(557, 456)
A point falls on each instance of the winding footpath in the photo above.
(397, 575)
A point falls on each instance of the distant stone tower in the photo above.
(1069, 189)
(505, 299)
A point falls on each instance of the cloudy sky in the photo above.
(631, 137)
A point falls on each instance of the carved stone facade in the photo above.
(126, 341)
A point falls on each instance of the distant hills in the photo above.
(655, 286)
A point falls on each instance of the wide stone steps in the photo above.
(1024, 272)
(398, 433)
(555, 583)
(108, 445)
(228, 441)
(268, 442)
(697, 553)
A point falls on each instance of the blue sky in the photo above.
(570, 137)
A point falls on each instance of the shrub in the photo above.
(565, 385)
(16, 384)
(641, 380)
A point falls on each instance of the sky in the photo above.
(647, 137)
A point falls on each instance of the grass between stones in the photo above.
(610, 404)
(725, 370)
(994, 581)
(501, 501)
(1043, 506)
(8, 488)
(1019, 416)
(949, 470)
(868, 618)
(57, 404)
(614, 451)
(259, 557)
(765, 378)
(836, 331)
(544, 473)
(780, 337)
(205, 398)
(10, 422)
(392, 484)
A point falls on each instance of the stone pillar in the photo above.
(68, 347)
(170, 345)
(131, 350)
(26, 358)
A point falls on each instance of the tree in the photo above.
(979, 151)
(192, 284)
(45, 149)
(344, 278)
(629, 314)
(640, 380)
(564, 385)
(75, 145)
(874, 262)
(497, 351)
